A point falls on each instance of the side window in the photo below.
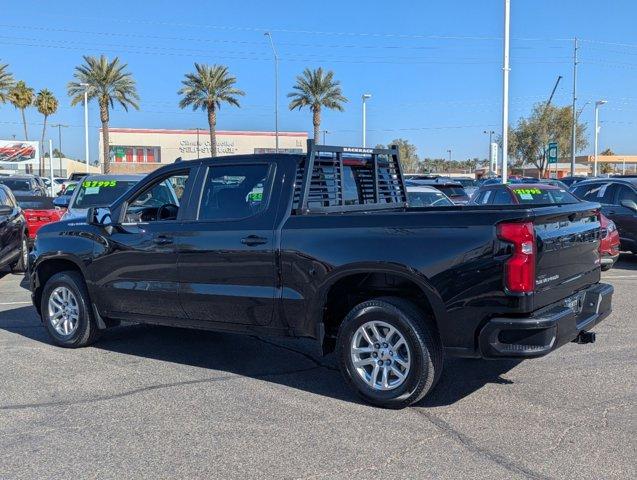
(626, 193)
(479, 197)
(4, 199)
(502, 197)
(598, 192)
(235, 191)
(160, 201)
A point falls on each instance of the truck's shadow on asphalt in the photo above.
(296, 364)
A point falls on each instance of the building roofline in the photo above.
(202, 131)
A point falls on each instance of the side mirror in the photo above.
(629, 204)
(99, 216)
(62, 202)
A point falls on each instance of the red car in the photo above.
(38, 212)
(17, 152)
(609, 245)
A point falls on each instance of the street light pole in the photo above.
(366, 96)
(325, 132)
(59, 127)
(86, 154)
(449, 152)
(197, 143)
(598, 104)
(505, 92)
(276, 92)
(490, 132)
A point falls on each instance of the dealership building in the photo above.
(143, 150)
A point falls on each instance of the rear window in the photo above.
(428, 199)
(35, 203)
(541, 196)
(17, 185)
(100, 193)
(451, 190)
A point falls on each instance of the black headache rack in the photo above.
(346, 179)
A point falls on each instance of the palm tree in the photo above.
(47, 105)
(22, 97)
(316, 90)
(6, 82)
(207, 88)
(109, 83)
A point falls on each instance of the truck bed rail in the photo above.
(321, 180)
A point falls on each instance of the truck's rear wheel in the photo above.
(389, 352)
(66, 311)
(22, 262)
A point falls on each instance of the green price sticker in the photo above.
(99, 183)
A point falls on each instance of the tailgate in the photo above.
(567, 250)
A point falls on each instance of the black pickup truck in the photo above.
(324, 245)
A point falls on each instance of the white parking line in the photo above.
(619, 276)
(14, 303)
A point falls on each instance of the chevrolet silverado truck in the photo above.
(325, 245)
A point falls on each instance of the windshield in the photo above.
(541, 196)
(466, 182)
(17, 185)
(100, 193)
(452, 190)
(35, 203)
(428, 199)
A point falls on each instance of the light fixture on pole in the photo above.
(598, 104)
(276, 92)
(366, 96)
(505, 92)
(86, 154)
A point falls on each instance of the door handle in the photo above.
(162, 240)
(253, 240)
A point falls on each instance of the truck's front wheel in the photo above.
(389, 352)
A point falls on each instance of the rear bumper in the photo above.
(547, 329)
(608, 259)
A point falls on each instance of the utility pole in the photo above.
(325, 132)
(505, 92)
(449, 152)
(59, 127)
(276, 92)
(574, 126)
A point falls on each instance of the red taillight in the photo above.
(519, 276)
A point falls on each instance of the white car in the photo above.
(425, 196)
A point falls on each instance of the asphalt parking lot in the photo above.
(150, 402)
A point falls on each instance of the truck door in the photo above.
(136, 274)
(227, 252)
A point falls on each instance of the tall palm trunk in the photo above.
(316, 120)
(24, 123)
(212, 123)
(105, 141)
(42, 147)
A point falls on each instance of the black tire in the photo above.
(20, 265)
(606, 268)
(87, 331)
(419, 332)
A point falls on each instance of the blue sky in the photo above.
(433, 67)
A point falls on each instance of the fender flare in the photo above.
(315, 312)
